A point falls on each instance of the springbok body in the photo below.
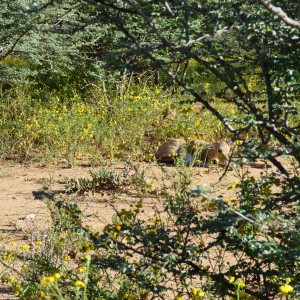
(197, 150)
(217, 152)
(168, 151)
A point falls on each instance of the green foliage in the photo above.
(103, 180)
(58, 44)
(54, 127)
(239, 60)
(192, 245)
(232, 43)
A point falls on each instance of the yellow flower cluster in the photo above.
(130, 296)
(79, 284)
(197, 294)
(49, 280)
(286, 289)
(253, 83)
(111, 126)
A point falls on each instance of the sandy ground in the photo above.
(23, 189)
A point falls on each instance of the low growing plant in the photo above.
(191, 246)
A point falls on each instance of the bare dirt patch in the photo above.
(25, 188)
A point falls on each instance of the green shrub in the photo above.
(190, 246)
(44, 126)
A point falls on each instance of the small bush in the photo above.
(103, 180)
(191, 246)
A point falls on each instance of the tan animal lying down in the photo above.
(199, 150)
(170, 150)
(196, 151)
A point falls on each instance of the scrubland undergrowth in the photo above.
(38, 125)
(188, 245)
(194, 246)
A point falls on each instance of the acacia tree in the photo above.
(52, 41)
(230, 42)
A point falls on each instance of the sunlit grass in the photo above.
(115, 126)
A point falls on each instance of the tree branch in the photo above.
(14, 45)
(280, 14)
(188, 54)
(115, 7)
(160, 63)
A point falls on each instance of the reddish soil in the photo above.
(23, 189)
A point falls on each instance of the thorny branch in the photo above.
(280, 13)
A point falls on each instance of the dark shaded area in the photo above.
(45, 193)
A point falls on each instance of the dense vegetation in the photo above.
(87, 81)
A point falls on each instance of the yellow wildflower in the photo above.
(17, 289)
(118, 225)
(239, 282)
(234, 185)
(231, 279)
(46, 280)
(156, 219)
(286, 289)
(25, 247)
(67, 257)
(11, 279)
(197, 294)
(274, 278)
(79, 284)
(56, 275)
(288, 280)
(50, 279)
(206, 85)
(81, 269)
(8, 257)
